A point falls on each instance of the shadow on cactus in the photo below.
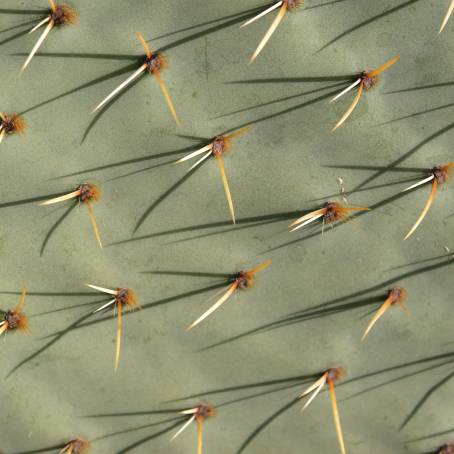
(367, 22)
(85, 322)
(20, 12)
(405, 156)
(241, 223)
(338, 305)
(228, 21)
(133, 161)
(289, 382)
(86, 193)
(217, 147)
(58, 15)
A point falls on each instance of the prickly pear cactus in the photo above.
(167, 234)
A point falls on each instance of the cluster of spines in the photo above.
(332, 212)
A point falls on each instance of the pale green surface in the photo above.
(276, 168)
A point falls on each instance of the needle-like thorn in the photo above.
(350, 109)
(262, 14)
(37, 45)
(130, 79)
(226, 186)
(270, 32)
(337, 423)
(118, 338)
(425, 210)
(217, 305)
(167, 98)
(447, 16)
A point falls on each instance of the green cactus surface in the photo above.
(168, 235)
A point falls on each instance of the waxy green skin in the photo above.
(279, 167)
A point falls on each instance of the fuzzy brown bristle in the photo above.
(446, 449)
(16, 320)
(336, 373)
(292, 4)
(227, 144)
(23, 324)
(441, 172)
(162, 61)
(369, 81)
(64, 15)
(78, 446)
(13, 124)
(244, 280)
(220, 145)
(156, 62)
(335, 212)
(205, 411)
(398, 295)
(127, 298)
(89, 193)
(131, 299)
(19, 124)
